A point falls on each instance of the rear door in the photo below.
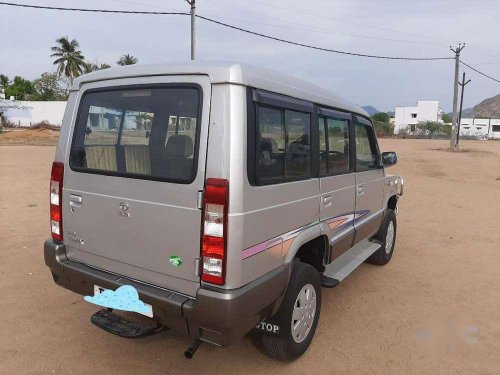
(136, 165)
(337, 180)
(369, 180)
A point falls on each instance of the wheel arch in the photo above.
(309, 247)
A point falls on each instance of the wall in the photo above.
(480, 128)
(27, 113)
(403, 118)
(426, 110)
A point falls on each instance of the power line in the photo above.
(301, 12)
(231, 27)
(148, 5)
(477, 71)
(321, 48)
(321, 29)
(93, 10)
(305, 27)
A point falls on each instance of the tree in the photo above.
(381, 117)
(19, 88)
(93, 66)
(69, 58)
(429, 128)
(4, 81)
(127, 60)
(446, 118)
(48, 87)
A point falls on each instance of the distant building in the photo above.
(480, 128)
(27, 113)
(408, 117)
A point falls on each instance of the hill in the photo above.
(370, 109)
(489, 108)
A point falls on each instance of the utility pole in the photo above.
(461, 104)
(193, 27)
(454, 127)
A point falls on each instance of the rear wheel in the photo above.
(298, 315)
(387, 238)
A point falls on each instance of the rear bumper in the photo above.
(217, 316)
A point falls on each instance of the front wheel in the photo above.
(386, 236)
(298, 315)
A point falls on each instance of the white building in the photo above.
(480, 128)
(408, 117)
(26, 113)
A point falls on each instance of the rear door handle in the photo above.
(327, 200)
(75, 200)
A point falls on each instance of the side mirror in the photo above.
(147, 134)
(88, 130)
(388, 159)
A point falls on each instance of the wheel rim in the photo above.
(389, 238)
(304, 311)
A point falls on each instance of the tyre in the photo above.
(297, 316)
(386, 236)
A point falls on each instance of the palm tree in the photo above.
(127, 60)
(69, 58)
(93, 66)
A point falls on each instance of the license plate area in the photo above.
(147, 311)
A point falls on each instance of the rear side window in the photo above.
(283, 144)
(366, 147)
(149, 133)
(333, 145)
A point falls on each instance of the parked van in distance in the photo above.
(215, 198)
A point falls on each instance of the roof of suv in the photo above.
(229, 72)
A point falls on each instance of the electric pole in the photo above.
(193, 27)
(454, 127)
(461, 104)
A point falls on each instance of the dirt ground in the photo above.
(434, 309)
(42, 136)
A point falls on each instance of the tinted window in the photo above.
(283, 144)
(334, 145)
(366, 149)
(298, 150)
(323, 146)
(149, 133)
(136, 128)
(270, 143)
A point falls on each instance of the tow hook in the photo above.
(189, 353)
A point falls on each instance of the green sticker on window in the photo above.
(175, 261)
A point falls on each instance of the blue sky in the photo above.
(384, 27)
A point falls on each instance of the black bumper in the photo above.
(215, 315)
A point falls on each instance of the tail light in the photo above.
(56, 184)
(215, 231)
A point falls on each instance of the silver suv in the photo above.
(215, 198)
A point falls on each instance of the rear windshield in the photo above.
(139, 132)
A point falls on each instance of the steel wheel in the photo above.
(304, 311)
(389, 238)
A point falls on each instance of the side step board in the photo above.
(123, 327)
(341, 267)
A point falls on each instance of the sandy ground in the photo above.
(29, 136)
(435, 308)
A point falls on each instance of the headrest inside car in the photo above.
(179, 146)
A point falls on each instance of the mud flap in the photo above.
(268, 327)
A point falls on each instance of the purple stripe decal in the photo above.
(343, 222)
(263, 246)
(255, 249)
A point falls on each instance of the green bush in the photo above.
(383, 129)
